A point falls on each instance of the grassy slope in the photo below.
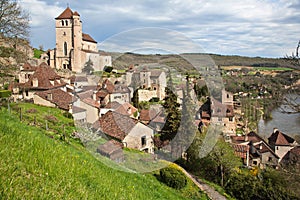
(34, 166)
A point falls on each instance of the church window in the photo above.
(66, 22)
(62, 23)
(65, 49)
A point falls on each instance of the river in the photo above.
(286, 123)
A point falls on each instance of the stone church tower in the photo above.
(73, 47)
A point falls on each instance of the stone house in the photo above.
(110, 92)
(125, 130)
(281, 143)
(151, 83)
(85, 101)
(54, 98)
(254, 151)
(73, 47)
(34, 79)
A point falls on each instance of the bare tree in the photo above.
(14, 21)
(294, 58)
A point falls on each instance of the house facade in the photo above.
(126, 130)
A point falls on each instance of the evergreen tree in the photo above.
(88, 67)
(171, 107)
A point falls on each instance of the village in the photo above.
(110, 104)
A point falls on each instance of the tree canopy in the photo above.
(14, 21)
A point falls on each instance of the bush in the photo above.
(5, 93)
(68, 115)
(173, 177)
(108, 69)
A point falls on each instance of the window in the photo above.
(66, 22)
(254, 162)
(227, 96)
(270, 159)
(62, 23)
(230, 119)
(26, 93)
(65, 49)
(143, 140)
(64, 34)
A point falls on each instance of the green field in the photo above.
(35, 165)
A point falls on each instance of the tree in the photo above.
(14, 21)
(224, 161)
(88, 67)
(171, 107)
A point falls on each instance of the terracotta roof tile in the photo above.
(44, 74)
(91, 102)
(126, 109)
(281, 139)
(59, 97)
(88, 38)
(115, 125)
(66, 14)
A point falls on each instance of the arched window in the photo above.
(62, 22)
(66, 22)
(65, 49)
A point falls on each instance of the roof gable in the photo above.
(59, 97)
(66, 14)
(115, 125)
(88, 38)
(280, 139)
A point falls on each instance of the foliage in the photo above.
(5, 93)
(88, 67)
(171, 107)
(173, 177)
(108, 69)
(14, 21)
(37, 53)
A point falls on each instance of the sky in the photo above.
(264, 28)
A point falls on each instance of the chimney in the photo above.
(94, 96)
(275, 130)
(49, 96)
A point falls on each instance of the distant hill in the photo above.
(124, 60)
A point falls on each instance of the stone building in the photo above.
(73, 47)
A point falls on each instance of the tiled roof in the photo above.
(85, 94)
(91, 102)
(108, 147)
(126, 109)
(240, 150)
(113, 105)
(155, 73)
(111, 88)
(88, 38)
(281, 139)
(76, 109)
(28, 67)
(66, 14)
(59, 97)
(115, 125)
(44, 74)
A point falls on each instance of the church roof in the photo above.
(88, 38)
(66, 14)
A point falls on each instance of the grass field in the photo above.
(34, 165)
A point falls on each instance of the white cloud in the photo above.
(250, 27)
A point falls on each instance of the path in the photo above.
(211, 192)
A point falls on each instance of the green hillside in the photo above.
(34, 165)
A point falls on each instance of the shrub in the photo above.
(108, 69)
(5, 93)
(173, 177)
(68, 115)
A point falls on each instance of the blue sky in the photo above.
(266, 28)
